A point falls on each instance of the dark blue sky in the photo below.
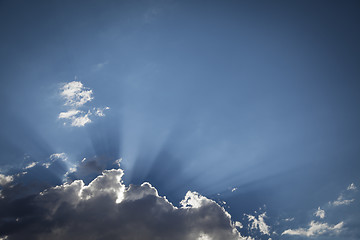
(206, 96)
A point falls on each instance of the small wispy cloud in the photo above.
(259, 223)
(100, 66)
(315, 229)
(100, 111)
(31, 165)
(351, 187)
(341, 201)
(320, 213)
(76, 96)
(69, 114)
(56, 156)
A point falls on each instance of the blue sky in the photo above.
(251, 104)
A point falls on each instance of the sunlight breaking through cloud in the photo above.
(106, 206)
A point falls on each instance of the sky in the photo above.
(165, 119)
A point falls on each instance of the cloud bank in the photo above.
(107, 209)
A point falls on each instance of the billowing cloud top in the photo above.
(107, 209)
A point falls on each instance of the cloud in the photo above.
(76, 96)
(351, 187)
(58, 156)
(69, 114)
(315, 229)
(289, 219)
(107, 209)
(341, 201)
(77, 118)
(31, 165)
(259, 223)
(193, 200)
(5, 180)
(81, 120)
(320, 213)
(238, 224)
(100, 111)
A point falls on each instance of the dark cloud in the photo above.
(90, 167)
(107, 209)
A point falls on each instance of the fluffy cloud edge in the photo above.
(197, 216)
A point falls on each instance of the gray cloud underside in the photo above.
(106, 209)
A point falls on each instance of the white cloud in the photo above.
(315, 229)
(77, 118)
(81, 120)
(234, 189)
(75, 94)
(351, 187)
(56, 156)
(259, 223)
(341, 201)
(118, 161)
(109, 184)
(69, 114)
(320, 213)
(31, 165)
(193, 200)
(107, 209)
(5, 179)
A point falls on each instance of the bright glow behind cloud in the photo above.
(107, 209)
